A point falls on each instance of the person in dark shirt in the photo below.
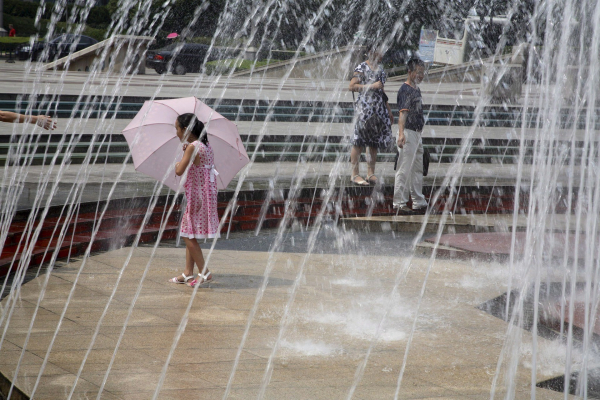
(409, 175)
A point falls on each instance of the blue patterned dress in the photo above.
(373, 127)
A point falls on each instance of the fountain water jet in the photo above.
(543, 178)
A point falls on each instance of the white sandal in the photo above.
(372, 182)
(185, 279)
(205, 280)
(359, 183)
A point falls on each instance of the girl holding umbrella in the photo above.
(212, 143)
(200, 220)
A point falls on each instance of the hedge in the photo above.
(98, 17)
(25, 27)
(9, 44)
(21, 8)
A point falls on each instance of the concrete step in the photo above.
(121, 224)
(453, 223)
(115, 150)
(284, 110)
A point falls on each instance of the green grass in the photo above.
(6, 39)
(224, 66)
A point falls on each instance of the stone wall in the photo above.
(335, 64)
(116, 48)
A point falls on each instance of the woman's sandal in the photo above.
(185, 279)
(372, 182)
(362, 182)
(202, 280)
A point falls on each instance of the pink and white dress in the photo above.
(201, 220)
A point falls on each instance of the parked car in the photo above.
(189, 58)
(58, 47)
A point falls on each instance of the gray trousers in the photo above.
(409, 174)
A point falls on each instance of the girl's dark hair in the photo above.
(194, 126)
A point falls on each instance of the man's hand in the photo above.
(401, 139)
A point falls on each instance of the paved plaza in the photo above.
(321, 342)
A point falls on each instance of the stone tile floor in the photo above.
(339, 301)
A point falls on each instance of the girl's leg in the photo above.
(195, 252)
(189, 266)
(371, 161)
(189, 261)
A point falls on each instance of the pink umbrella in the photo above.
(172, 35)
(155, 147)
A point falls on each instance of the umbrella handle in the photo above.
(177, 178)
(237, 142)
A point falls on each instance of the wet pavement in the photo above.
(329, 240)
(329, 328)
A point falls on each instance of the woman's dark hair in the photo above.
(371, 47)
(194, 126)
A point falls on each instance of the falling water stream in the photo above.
(562, 44)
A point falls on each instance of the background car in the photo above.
(58, 47)
(189, 58)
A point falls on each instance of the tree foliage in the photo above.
(290, 24)
(98, 17)
(329, 23)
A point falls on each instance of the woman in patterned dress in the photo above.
(374, 119)
(200, 220)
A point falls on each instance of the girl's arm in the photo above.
(41, 120)
(182, 165)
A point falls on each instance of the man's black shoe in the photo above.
(403, 210)
(420, 210)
